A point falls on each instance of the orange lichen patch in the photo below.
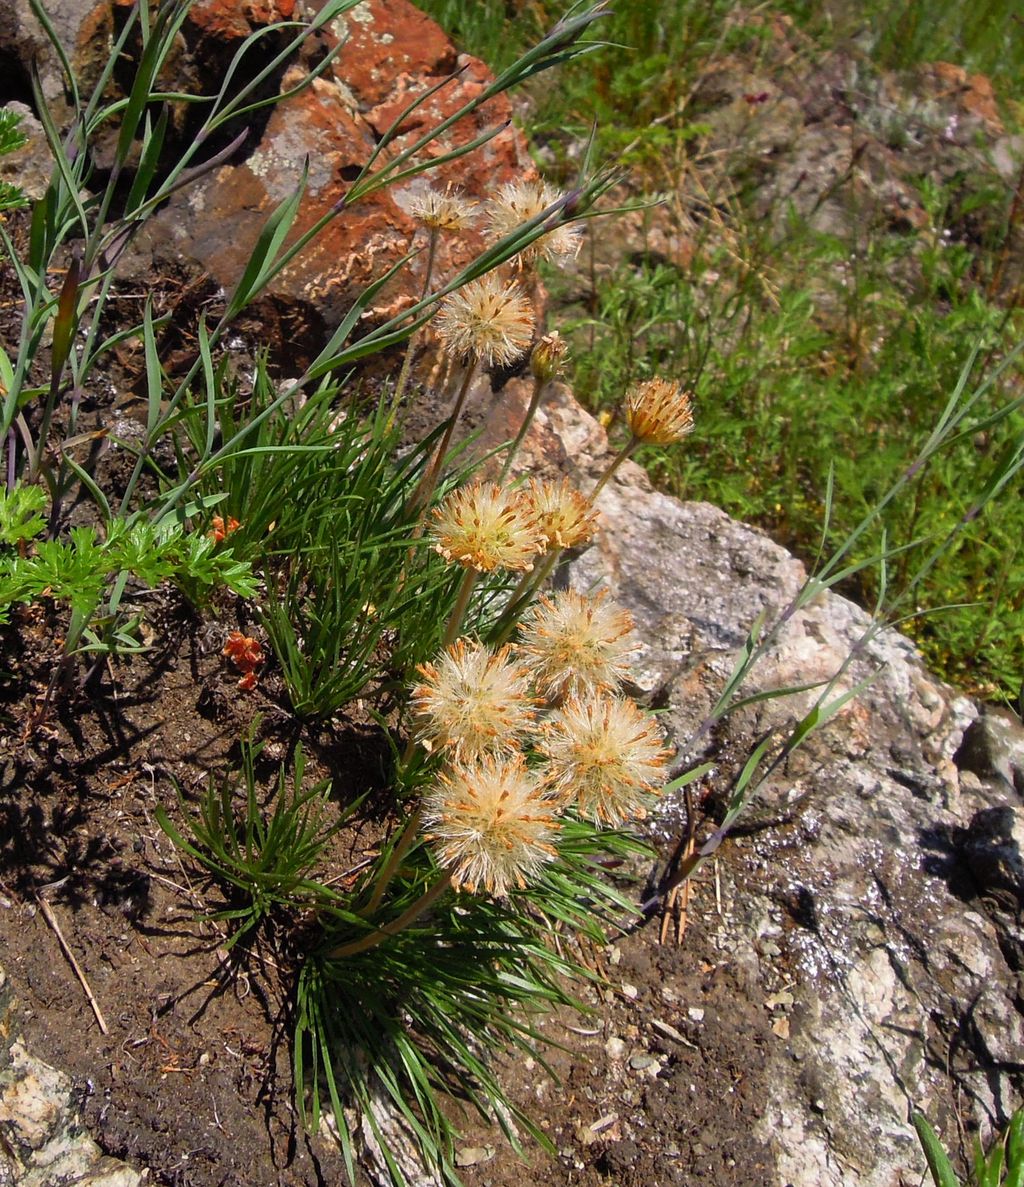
(247, 655)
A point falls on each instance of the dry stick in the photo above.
(408, 916)
(51, 919)
(673, 908)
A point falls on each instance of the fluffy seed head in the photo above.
(473, 702)
(484, 526)
(658, 411)
(573, 644)
(605, 756)
(519, 201)
(566, 517)
(443, 210)
(490, 823)
(489, 319)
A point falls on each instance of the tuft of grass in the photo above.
(267, 856)
(1002, 1165)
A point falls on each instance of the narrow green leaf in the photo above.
(941, 1168)
(268, 244)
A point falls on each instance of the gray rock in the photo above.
(993, 747)
(28, 167)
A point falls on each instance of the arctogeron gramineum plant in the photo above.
(382, 579)
(394, 597)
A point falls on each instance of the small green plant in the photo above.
(11, 139)
(90, 574)
(1001, 1166)
(267, 853)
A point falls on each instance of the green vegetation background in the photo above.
(783, 393)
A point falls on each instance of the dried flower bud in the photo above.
(473, 702)
(567, 518)
(246, 654)
(548, 355)
(490, 824)
(487, 319)
(221, 528)
(605, 756)
(658, 412)
(484, 526)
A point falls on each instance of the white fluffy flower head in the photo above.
(491, 824)
(605, 756)
(472, 701)
(573, 644)
(488, 319)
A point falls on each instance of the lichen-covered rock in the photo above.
(390, 53)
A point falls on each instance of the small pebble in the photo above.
(695, 1014)
(640, 1063)
(472, 1155)
(615, 1048)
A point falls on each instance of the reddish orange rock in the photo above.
(391, 52)
(386, 41)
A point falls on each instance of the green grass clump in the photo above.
(790, 401)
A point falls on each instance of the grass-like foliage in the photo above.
(266, 853)
(1002, 1165)
(320, 496)
(474, 980)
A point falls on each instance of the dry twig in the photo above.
(51, 919)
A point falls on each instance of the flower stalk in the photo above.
(459, 609)
(425, 491)
(394, 860)
(407, 917)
